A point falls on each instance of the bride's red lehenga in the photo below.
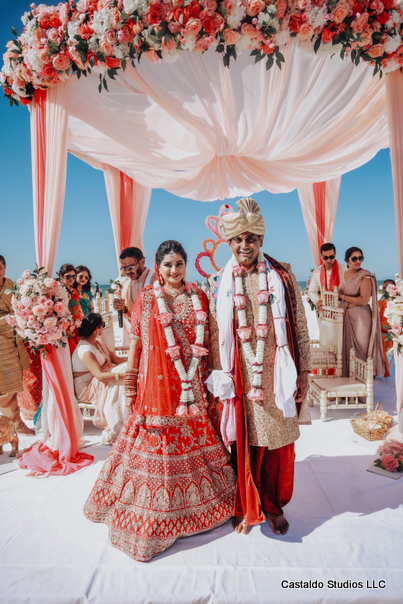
(167, 476)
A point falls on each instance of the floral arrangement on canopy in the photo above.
(394, 312)
(76, 37)
(40, 304)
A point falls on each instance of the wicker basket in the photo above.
(372, 426)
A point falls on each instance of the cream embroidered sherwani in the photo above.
(267, 426)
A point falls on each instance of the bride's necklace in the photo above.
(187, 406)
(171, 291)
(244, 332)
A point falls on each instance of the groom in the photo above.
(264, 393)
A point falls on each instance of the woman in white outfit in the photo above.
(99, 378)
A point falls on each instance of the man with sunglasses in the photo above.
(137, 276)
(327, 276)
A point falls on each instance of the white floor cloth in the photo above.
(346, 526)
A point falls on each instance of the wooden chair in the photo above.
(344, 393)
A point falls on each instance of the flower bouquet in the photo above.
(394, 312)
(390, 456)
(116, 287)
(41, 310)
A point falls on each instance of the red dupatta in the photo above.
(334, 280)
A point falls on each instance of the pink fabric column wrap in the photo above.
(394, 90)
(67, 459)
(128, 204)
(319, 204)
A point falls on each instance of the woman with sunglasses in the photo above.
(99, 378)
(82, 285)
(67, 276)
(361, 327)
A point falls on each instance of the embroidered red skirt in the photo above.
(165, 478)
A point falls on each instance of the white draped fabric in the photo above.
(128, 205)
(202, 131)
(319, 205)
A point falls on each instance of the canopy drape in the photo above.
(128, 204)
(202, 131)
(319, 205)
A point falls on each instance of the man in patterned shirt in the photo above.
(264, 425)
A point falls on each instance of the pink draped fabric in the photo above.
(128, 204)
(49, 159)
(202, 131)
(394, 88)
(319, 205)
(67, 459)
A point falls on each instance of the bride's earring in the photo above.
(161, 279)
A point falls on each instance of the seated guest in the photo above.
(82, 284)
(67, 275)
(13, 359)
(99, 378)
(384, 325)
(326, 277)
(361, 324)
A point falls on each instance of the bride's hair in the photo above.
(170, 246)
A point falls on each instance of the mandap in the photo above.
(208, 99)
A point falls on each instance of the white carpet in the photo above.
(346, 526)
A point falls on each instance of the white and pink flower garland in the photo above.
(42, 315)
(394, 313)
(76, 37)
(244, 331)
(186, 401)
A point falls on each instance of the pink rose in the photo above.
(48, 303)
(244, 333)
(191, 288)
(376, 51)
(263, 296)
(174, 28)
(125, 35)
(110, 36)
(389, 462)
(248, 30)
(26, 301)
(39, 310)
(25, 274)
(358, 24)
(340, 11)
(255, 7)
(59, 308)
(397, 328)
(10, 320)
(240, 301)
(261, 267)
(177, 2)
(49, 282)
(174, 352)
(281, 6)
(25, 313)
(20, 281)
(43, 56)
(105, 47)
(165, 319)
(261, 330)
(231, 36)
(137, 28)
(201, 316)
(256, 394)
(237, 270)
(151, 56)
(391, 289)
(42, 299)
(61, 62)
(170, 45)
(211, 5)
(42, 340)
(193, 26)
(115, 17)
(199, 351)
(50, 322)
(55, 35)
(305, 32)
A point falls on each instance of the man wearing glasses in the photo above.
(327, 276)
(132, 266)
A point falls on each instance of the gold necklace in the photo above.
(174, 292)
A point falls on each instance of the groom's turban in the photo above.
(248, 218)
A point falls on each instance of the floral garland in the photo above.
(187, 405)
(78, 36)
(40, 304)
(394, 312)
(244, 332)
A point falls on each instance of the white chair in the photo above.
(327, 353)
(102, 307)
(344, 393)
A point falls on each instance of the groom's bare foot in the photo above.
(240, 526)
(279, 524)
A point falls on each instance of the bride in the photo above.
(168, 475)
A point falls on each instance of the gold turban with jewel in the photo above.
(248, 218)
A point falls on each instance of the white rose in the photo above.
(72, 29)
(392, 44)
(49, 282)
(129, 6)
(34, 60)
(121, 51)
(170, 56)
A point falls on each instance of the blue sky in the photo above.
(365, 214)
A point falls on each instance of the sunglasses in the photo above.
(69, 277)
(124, 269)
(332, 257)
(357, 258)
